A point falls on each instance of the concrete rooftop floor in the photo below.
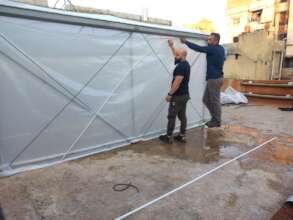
(253, 187)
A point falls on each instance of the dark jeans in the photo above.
(1, 214)
(177, 107)
(211, 98)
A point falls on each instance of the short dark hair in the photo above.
(216, 35)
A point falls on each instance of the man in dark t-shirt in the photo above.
(178, 95)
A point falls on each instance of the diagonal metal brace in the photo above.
(85, 106)
(65, 106)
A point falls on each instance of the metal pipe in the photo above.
(73, 18)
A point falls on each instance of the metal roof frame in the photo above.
(13, 9)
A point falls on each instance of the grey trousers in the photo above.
(177, 107)
(211, 98)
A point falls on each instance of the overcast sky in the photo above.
(180, 12)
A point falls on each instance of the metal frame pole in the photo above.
(59, 113)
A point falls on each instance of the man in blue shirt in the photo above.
(178, 95)
(214, 76)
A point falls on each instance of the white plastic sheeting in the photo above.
(232, 96)
(69, 91)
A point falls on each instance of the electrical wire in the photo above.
(124, 186)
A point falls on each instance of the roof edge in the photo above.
(54, 15)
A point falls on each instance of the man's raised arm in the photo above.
(171, 45)
(193, 46)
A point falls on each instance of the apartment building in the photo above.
(274, 16)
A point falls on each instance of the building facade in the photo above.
(35, 2)
(274, 16)
(252, 15)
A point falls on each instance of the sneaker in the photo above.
(213, 124)
(180, 138)
(166, 139)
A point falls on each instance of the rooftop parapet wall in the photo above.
(35, 2)
(252, 57)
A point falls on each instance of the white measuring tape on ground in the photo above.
(192, 181)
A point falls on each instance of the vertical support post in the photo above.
(281, 64)
(71, 100)
(273, 65)
(132, 88)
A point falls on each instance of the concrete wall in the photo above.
(237, 3)
(240, 15)
(269, 20)
(254, 56)
(120, 15)
(237, 17)
(35, 2)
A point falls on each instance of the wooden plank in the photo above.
(269, 81)
(279, 85)
(270, 96)
(268, 90)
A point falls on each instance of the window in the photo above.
(288, 62)
(284, 16)
(282, 36)
(256, 16)
(283, 25)
(236, 21)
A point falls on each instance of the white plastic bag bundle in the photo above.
(232, 96)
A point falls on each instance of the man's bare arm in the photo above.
(171, 45)
(176, 84)
(174, 87)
